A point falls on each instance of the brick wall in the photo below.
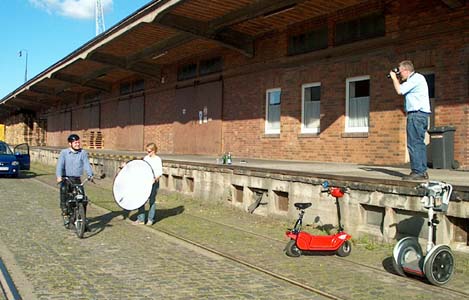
(159, 112)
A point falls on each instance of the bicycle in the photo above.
(76, 203)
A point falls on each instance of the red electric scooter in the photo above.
(302, 242)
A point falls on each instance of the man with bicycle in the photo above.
(71, 163)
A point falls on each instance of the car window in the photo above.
(5, 149)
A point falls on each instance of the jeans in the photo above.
(152, 202)
(417, 124)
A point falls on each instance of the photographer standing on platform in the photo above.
(414, 88)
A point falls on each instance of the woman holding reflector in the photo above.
(137, 182)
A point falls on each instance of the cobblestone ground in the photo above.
(116, 260)
(119, 255)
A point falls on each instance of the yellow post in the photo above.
(2, 132)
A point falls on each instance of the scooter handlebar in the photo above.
(337, 192)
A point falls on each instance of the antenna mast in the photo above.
(99, 17)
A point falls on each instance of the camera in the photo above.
(395, 70)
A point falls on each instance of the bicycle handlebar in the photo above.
(89, 178)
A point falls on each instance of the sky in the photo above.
(47, 31)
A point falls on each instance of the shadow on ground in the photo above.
(99, 223)
(383, 170)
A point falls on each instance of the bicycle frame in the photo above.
(76, 203)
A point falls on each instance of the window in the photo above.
(210, 66)
(125, 88)
(359, 29)
(200, 68)
(91, 98)
(357, 112)
(273, 101)
(132, 87)
(430, 78)
(310, 114)
(187, 72)
(138, 85)
(307, 42)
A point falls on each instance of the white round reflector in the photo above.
(132, 185)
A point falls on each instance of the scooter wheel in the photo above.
(292, 250)
(439, 266)
(345, 249)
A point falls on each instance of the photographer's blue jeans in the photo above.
(152, 203)
(417, 124)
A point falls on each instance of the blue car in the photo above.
(11, 162)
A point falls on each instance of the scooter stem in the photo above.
(341, 228)
(430, 243)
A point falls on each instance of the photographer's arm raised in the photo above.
(395, 82)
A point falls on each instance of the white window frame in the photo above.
(432, 100)
(349, 128)
(305, 129)
(268, 126)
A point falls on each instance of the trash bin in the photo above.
(442, 146)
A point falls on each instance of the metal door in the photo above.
(184, 135)
(197, 129)
(208, 127)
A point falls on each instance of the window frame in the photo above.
(268, 129)
(425, 73)
(348, 128)
(305, 129)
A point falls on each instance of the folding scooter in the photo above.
(303, 242)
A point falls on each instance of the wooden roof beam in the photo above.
(122, 63)
(84, 81)
(22, 102)
(41, 99)
(43, 90)
(256, 9)
(7, 111)
(453, 3)
(234, 40)
(161, 46)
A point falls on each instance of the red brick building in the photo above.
(291, 79)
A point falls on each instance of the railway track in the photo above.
(427, 286)
(8, 289)
(448, 292)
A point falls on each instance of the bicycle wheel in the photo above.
(80, 220)
(71, 217)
